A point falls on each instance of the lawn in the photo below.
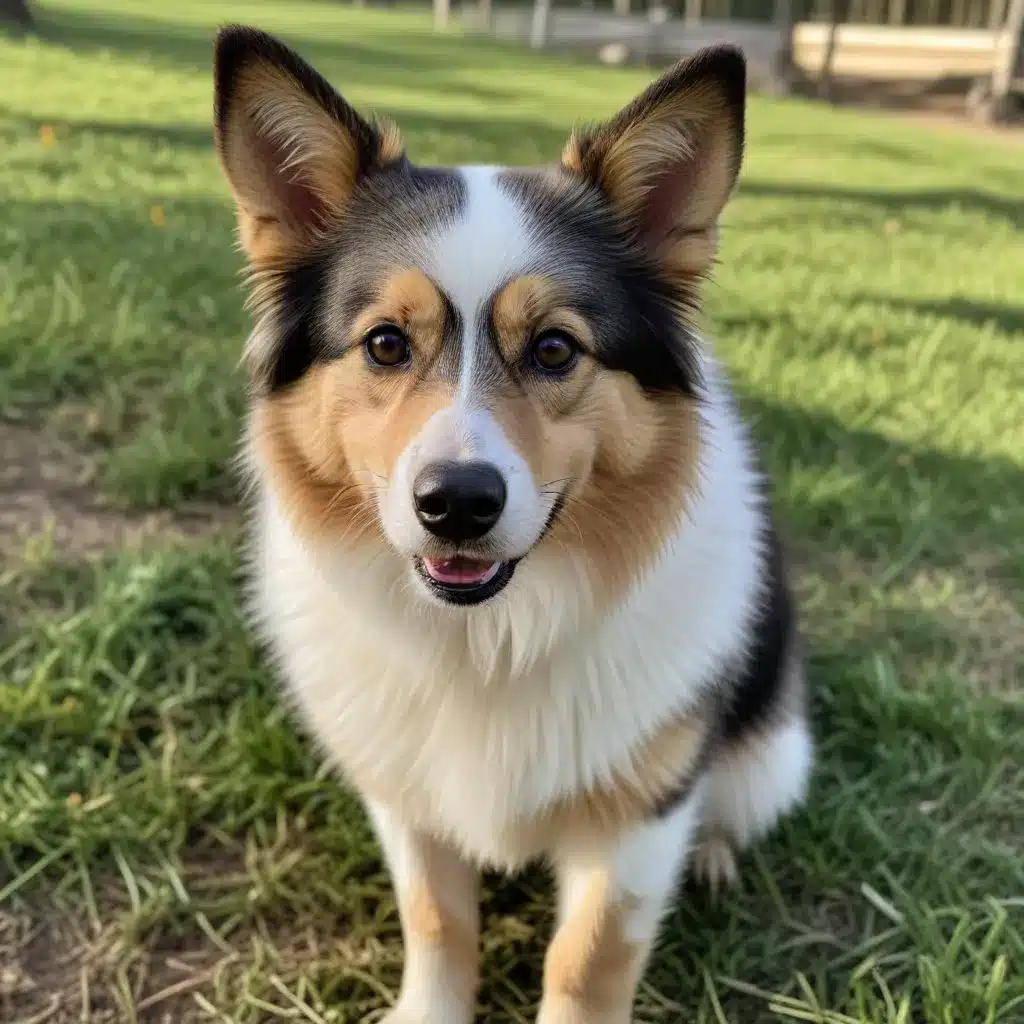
(170, 847)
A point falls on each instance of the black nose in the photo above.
(458, 501)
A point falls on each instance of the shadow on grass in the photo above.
(179, 136)
(453, 138)
(894, 202)
(1006, 317)
(407, 59)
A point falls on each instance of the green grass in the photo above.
(168, 841)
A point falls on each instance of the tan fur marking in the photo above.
(647, 458)
(391, 145)
(330, 441)
(656, 769)
(423, 914)
(428, 922)
(410, 301)
(526, 306)
(572, 158)
(590, 964)
(440, 919)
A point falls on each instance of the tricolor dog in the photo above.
(512, 550)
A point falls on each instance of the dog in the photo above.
(512, 549)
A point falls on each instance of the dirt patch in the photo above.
(55, 972)
(48, 488)
(45, 974)
(69, 965)
(170, 966)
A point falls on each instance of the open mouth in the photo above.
(463, 580)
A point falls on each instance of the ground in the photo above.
(171, 848)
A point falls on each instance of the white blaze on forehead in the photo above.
(475, 256)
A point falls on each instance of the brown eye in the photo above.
(553, 351)
(387, 346)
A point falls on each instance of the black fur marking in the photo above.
(757, 687)
(450, 353)
(755, 690)
(678, 794)
(638, 318)
(320, 296)
(301, 342)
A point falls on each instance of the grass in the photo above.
(170, 847)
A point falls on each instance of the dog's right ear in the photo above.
(292, 150)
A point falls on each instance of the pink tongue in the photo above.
(461, 570)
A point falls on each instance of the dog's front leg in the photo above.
(611, 903)
(438, 901)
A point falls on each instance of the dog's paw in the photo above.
(714, 864)
(436, 1015)
(401, 1016)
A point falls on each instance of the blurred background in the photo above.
(170, 847)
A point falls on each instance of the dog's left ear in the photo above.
(292, 149)
(668, 162)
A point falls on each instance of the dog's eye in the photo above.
(388, 346)
(554, 351)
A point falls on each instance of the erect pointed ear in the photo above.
(668, 162)
(291, 148)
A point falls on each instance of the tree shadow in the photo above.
(850, 142)
(403, 59)
(893, 202)
(452, 138)
(177, 135)
(977, 313)
(888, 476)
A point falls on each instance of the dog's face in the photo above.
(476, 366)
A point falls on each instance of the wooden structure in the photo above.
(980, 42)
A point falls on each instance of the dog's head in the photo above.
(471, 367)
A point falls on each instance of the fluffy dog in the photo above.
(512, 550)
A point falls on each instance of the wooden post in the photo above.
(485, 12)
(693, 11)
(990, 98)
(783, 70)
(837, 17)
(1009, 53)
(541, 24)
(621, 8)
(442, 8)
